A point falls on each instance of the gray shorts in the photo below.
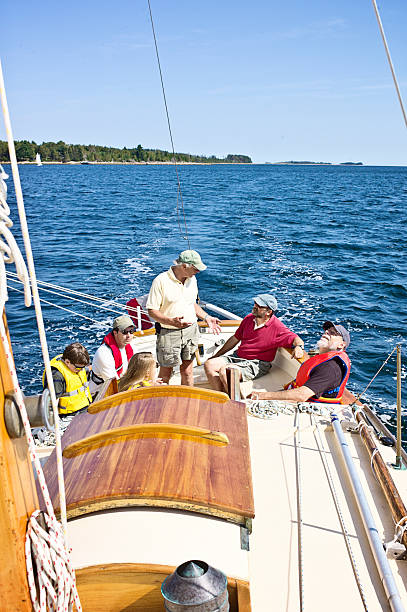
(249, 368)
(177, 345)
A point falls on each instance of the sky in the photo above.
(275, 81)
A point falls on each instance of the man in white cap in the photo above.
(322, 377)
(172, 302)
(113, 355)
(260, 334)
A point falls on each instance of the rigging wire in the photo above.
(386, 47)
(372, 379)
(179, 192)
(68, 293)
(77, 314)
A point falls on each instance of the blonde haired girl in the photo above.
(140, 373)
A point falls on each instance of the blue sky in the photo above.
(276, 81)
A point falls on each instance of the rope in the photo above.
(297, 446)
(73, 595)
(77, 314)
(378, 371)
(269, 409)
(386, 47)
(45, 551)
(179, 192)
(68, 292)
(56, 535)
(323, 452)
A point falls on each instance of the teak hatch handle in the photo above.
(167, 430)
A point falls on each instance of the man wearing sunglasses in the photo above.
(259, 334)
(323, 377)
(113, 355)
(70, 379)
(172, 302)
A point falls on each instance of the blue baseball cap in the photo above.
(267, 300)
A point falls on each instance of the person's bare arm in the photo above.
(213, 322)
(300, 394)
(160, 318)
(228, 346)
(298, 346)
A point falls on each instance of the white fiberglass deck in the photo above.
(328, 577)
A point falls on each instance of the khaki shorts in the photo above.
(177, 345)
(249, 368)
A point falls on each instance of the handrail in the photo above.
(397, 507)
(158, 391)
(372, 534)
(152, 430)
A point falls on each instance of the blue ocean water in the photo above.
(328, 241)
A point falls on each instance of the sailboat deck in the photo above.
(328, 578)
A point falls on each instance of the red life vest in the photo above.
(117, 356)
(306, 368)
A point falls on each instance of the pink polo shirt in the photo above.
(263, 342)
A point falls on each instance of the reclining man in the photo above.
(323, 377)
(260, 334)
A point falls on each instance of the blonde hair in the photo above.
(141, 367)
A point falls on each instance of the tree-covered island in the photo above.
(65, 153)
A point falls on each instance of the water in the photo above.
(329, 242)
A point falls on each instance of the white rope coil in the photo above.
(47, 558)
(269, 409)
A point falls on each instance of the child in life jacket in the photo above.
(140, 373)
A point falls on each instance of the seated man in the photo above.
(322, 377)
(260, 334)
(70, 379)
(113, 355)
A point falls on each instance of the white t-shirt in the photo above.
(173, 298)
(104, 367)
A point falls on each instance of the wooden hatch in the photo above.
(156, 469)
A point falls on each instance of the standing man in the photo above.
(113, 355)
(172, 302)
(260, 334)
(323, 377)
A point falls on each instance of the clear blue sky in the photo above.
(276, 81)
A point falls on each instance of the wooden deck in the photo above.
(159, 469)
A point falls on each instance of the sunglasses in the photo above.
(126, 332)
(79, 367)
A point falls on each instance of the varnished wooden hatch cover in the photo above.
(171, 472)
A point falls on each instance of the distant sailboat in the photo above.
(38, 160)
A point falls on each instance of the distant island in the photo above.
(61, 152)
(313, 163)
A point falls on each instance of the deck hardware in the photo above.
(244, 538)
(399, 465)
(395, 550)
(163, 430)
(12, 417)
(39, 414)
(195, 586)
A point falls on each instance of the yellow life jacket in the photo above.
(77, 394)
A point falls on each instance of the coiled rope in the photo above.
(57, 590)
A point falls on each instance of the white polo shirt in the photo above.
(173, 298)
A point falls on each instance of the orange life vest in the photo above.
(307, 367)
